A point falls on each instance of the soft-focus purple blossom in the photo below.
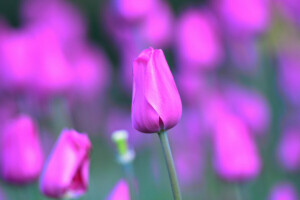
(120, 191)
(157, 28)
(283, 191)
(289, 71)
(21, 156)
(198, 45)
(156, 104)
(250, 106)
(17, 52)
(236, 156)
(66, 172)
(132, 10)
(244, 16)
(59, 16)
(289, 149)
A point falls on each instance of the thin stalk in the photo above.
(129, 172)
(170, 164)
(238, 193)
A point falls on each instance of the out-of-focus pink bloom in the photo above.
(192, 86)
(198, 45)
(283, 191)
(156, 104)
(59, 16)
(66, 172)
(21, 156)
(156, 29)
(91, 71)
(54, 73)
(120, 191)
(17, 61)
(289, 149)
(289, 72)
(290, 9)
(251, 107)
(244, 16)
(133, 10)
(235, 154)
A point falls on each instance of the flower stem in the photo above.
(129, 172)
(170, 164)
(238, 193)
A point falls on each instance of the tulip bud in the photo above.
(120, 191)
(236, 156)
(21, 156)
(156, 104)
(66, 173)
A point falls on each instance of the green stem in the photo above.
(129, 172)
(238, 193)
(170, 164)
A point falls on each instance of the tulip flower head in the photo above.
(66, 173)
(156, 104)
(236, 156)
(120, 191)
(21, 156)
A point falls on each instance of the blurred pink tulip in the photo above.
(239, 21)
(289, 149)
(283, 191)
(17, 61)
(290, 9)
(120, 191)
(235, 154)
(66, 172)
(156, 103)
(133, 10)
(198, 45)
(21, 156)
(156, 30)
(251, 107)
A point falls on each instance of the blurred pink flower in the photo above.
(244, 16)
(289, 149)
(66, 172)
(120, 191)
(156, 104)
(17, 61)
(157, 28)
(21, 155)
(91, 71)
(61, 17)
(235, 154)
(283, 191)
(289, 72)
(133, 10)
(198, 45)
(250, 106)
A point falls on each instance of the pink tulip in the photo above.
(21, 156)
(236, 156)
(198, 45)
(251, 107)
(120, 191)
(156, 104)
(290, 9)
(289, 149)
(237, 20)
(283, 191)
(66, 172)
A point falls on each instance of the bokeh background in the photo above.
(68, 64)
